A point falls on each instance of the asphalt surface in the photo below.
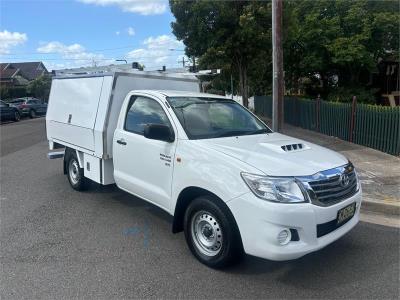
(56, 243)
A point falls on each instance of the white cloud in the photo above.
(73, 55)
(117, 33)
(143, 7)
(60, 48)
(9, 40)
(131, 31)
(157, 52)
(154, 53)
(163, 42)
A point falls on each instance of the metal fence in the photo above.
(373, 126)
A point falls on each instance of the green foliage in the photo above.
(231, 35)
(4, 93)
(345, 94)
(323, 40)
(339, 37)
(12, 92)
(40, 87)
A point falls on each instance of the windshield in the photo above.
(204, 118)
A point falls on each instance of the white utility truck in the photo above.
(230, 183)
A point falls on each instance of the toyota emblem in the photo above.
(344, 180)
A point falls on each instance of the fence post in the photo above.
(318, 112)
(353, 117)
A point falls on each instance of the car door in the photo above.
(29, 105)
(34, 104)
(39, 106)
(144, 166)
(5, 110)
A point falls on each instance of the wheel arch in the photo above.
(67, 153)
(185, 197)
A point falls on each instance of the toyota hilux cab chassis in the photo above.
(231, 184)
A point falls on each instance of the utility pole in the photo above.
(183, 61)
(277, 66)
(194, 64)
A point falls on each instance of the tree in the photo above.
(339, 38)
(329, 45)
(40, 87)
(230, 35)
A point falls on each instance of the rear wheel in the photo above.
(211, 233)
(75, 174)
(17, 116)
(32, 113)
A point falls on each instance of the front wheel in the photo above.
(32, 114)
(211, 233)
(75, 174)
(17, 116)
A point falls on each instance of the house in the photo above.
(21, 73)
(12, 77)
(385, 79)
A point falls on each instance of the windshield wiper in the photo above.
(232, 133)
(259, 131)
(241, 132)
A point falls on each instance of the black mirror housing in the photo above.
(159, 132)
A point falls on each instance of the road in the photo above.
(106, 244)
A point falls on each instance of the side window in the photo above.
(142, 111)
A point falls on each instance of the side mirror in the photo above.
(159, 132)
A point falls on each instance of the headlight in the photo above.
(276, 189)
(357, 180)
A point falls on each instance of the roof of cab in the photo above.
(171, 93)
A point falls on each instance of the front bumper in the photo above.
(260, 222)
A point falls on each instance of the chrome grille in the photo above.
(333, 186)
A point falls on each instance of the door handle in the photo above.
(121, 142)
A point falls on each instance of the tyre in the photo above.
(75, 174)
(32, 114)
(212, 233)
(17, 116)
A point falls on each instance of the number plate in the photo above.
(346, 213)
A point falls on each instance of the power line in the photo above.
(60, 58)
(91, 58)
(71, 52)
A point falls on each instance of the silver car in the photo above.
(29, 106)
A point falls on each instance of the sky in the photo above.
(75, 33)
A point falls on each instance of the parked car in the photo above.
(31, 107)
(8, 112)
(231, 184)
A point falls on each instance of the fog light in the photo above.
(284, 237)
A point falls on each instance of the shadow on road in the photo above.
(129, 200)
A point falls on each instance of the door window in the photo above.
(143, 111)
